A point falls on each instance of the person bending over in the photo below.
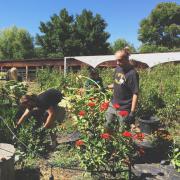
(43, 107)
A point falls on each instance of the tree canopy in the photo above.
(65, 35)
(120, 44)
(16, 43)
(161, 27)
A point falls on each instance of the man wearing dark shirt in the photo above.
(125, 95)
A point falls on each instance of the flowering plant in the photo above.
(98, 150)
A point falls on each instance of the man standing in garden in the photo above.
(43, 107)
(125, 95)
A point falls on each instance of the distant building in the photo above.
(28, 67)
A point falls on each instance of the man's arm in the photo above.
(49, 120)
(23, 117)
(133, 107)
(134, 102)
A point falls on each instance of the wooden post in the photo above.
(60, 68)
(65, 66)
(26, 73)
(7, 171)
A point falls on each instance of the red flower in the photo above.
(116, 106)
(104, 106)
(127, 134)
(91, 104)
(79, 142)
(139, 136)
(82, 113)
(123, 113)
(105, 136)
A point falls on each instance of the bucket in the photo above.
(149, 125)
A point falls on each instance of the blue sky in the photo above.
(123, 17)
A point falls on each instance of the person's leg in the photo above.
(122, 121)
(58, 119)
(110, 116)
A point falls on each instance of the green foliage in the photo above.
(159, 93)
(3, 75)
(39, 52)
(16, 44)
(57, 34)
(7, 113)
(15, 90)
(65, 156)
(176, 159)
(150, 48)
(34, 139)
(90, 31)
(48, 78)
(162, 27)
(65, 35)
(120, 44)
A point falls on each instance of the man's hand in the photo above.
(131, 118)
(133, 127)
(16, 128)
(42, 129)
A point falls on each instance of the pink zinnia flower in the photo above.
(91, 104)
(104, 106)
(82, 113)
(105, 136)
(127, 134)
(116, 106)
(123, 113)
(79, 142)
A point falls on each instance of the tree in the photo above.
(90, 31)
(57, 35)
(65, 35)
(120, 44)
(147, 48)
(16, 43)
(162, 26)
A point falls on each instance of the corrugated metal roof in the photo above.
(151, 59)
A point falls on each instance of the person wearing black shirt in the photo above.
(42, 103)
(44, 108)
(125, 94)
(94, 75)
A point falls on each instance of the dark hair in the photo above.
(29, 100)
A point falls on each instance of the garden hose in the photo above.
(14, 135)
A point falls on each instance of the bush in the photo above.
(159, 93)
